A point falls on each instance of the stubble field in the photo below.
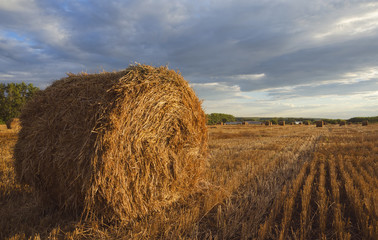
(276, 182)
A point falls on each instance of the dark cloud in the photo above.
(314, 65)
(333, 89)
(225, 47)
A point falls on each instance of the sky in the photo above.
(266, 58)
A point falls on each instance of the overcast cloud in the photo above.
(247, 58)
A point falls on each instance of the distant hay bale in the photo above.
(245, 123)
(365, 123)
(13, 123)
(281, 123)
(114, 145)
(306, 122)
(319, 123)
(268, 123)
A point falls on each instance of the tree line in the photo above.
(361, 119)
(217, 118)
(13, 97)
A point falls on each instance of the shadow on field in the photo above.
(22, 216)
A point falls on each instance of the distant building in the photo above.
(253, 122)
(233, 123)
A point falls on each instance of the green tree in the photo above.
(290, 120)
(216, 118)
(13, 97)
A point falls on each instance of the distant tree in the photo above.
(13, 97)
(242, 119)
(274, 121)
(290, 120)
(361, 119)
(330, 121)
(216, 118)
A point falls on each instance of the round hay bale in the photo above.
(319, 123)
(13, 123)
(113, 145)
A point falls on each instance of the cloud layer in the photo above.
(247, 58)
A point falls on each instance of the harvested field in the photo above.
(297, 182)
